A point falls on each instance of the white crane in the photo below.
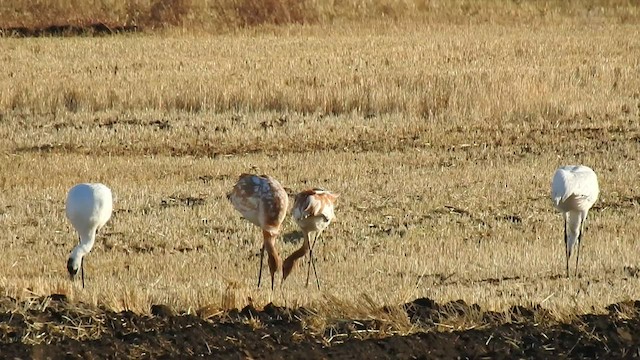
(313, 212)
(264, 202)
(574, 190)
(88, 208)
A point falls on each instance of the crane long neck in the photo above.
(290, 261)
(269, 245)
(573, 227)
(302, 251)
(86, 244)
(574, 222)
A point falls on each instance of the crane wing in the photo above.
(314, 203)
(575, 187)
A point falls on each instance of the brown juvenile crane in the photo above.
(313, 212)
(264, 202)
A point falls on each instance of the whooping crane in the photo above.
(88, 208)
(574, 191)
(264, 202)
(313, 212)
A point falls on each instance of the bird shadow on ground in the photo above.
(292, 237)
(443, 279)
(625, 202)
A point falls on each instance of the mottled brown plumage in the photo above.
(264, 202)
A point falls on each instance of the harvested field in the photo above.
(441, 133)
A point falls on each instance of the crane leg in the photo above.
(312, 262)
(82, 271)
(260, 271)
(578, 250)
(567, 250)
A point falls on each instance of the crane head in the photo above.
(73, 265)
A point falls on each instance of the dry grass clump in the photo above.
(37, 320)
(333, 318)
(148, 14)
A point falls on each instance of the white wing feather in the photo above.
(574, 188)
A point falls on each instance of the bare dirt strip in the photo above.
(58, 329)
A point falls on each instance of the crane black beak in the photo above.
(71, 270)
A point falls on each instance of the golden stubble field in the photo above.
(441, 140)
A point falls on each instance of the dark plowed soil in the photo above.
(52, 328)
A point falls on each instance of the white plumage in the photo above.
(88, 208)
(574, 190)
